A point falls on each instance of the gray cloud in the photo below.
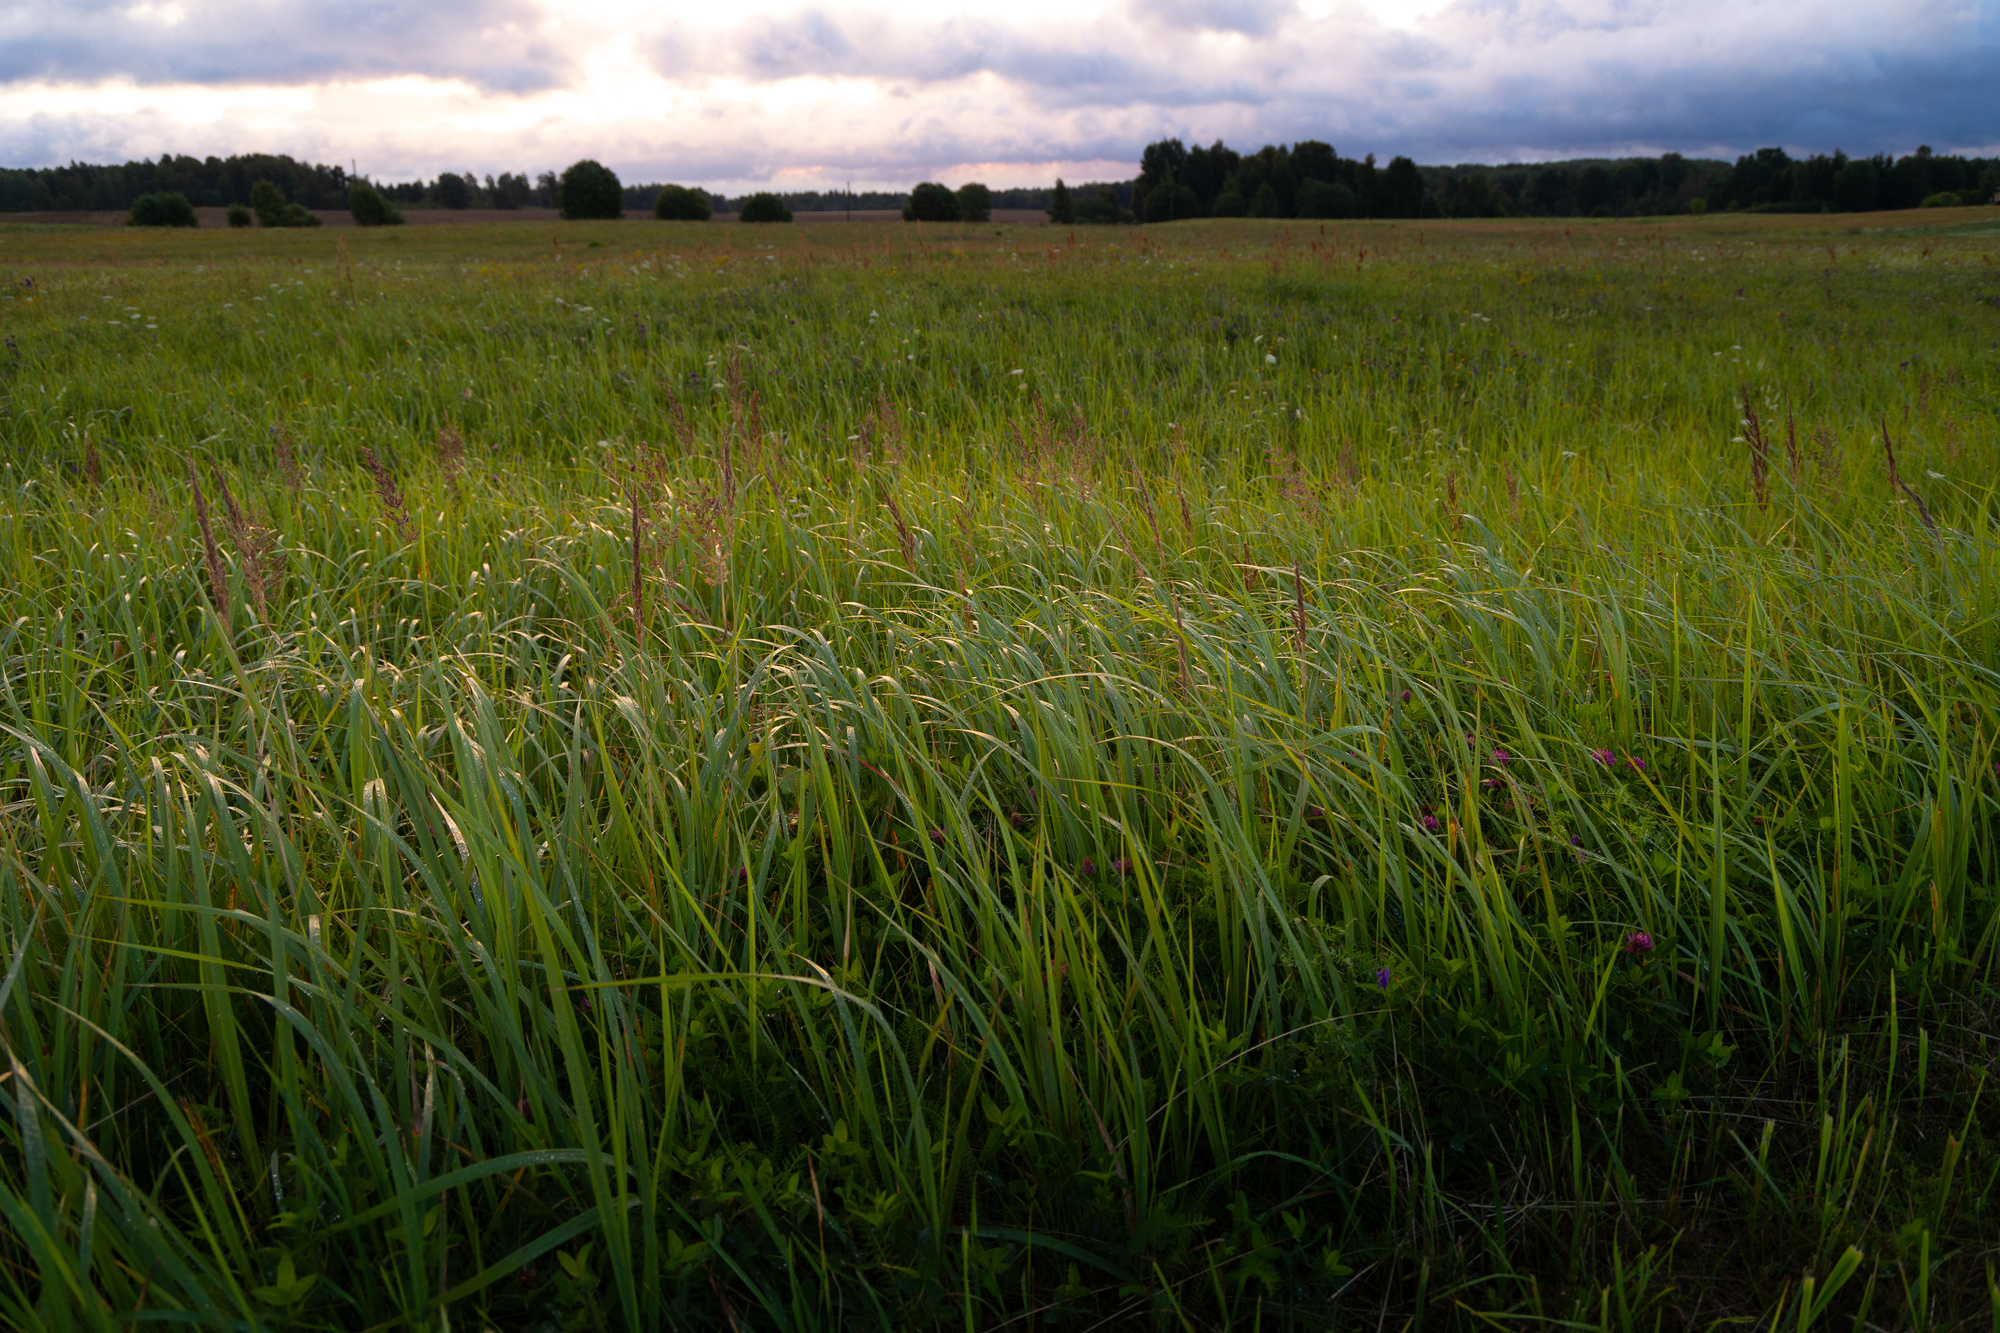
(1481, 80)
(492, 44)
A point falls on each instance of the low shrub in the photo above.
(369, 208)
(165, 209)
(931, 202)
(764, 207)
(590, 190)
(239, 216)
(268, 202)
(1942, 199)
(678, 203)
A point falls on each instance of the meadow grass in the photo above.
(650, 775)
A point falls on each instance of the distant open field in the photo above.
(1229, 775)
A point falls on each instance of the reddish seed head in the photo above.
(1088, 869)
(1406, 696)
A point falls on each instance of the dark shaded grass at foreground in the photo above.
(1385, 837)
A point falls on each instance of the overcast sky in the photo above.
(733, 93)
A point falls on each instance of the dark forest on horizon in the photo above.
(1307, 179)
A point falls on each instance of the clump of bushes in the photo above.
(764, 207)
(932, 202)
(677, 203)
(268, 202)
(589, 189)
(369, 208)
(975, 202)
(168, 208)
(239, 216)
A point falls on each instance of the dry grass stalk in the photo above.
(1152, 519)
(638, 579)
(256, 552)
(1250, 576)
(1350, 466)
(1896, 480)
(1760, 451)
(1451, 502)
(387, 490)
(218, 576)
(93, 467)
(1513, 493)
(1298, 611)
(1793, 458)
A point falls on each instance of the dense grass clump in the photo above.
(1222, 775)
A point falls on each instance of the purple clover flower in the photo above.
(1122, 864)
(1500, 756)
(1638, 764)
(1575, 841)
(1638, 942)
(1088, 869)
(1605, 757)
(937, 835)
(1431, 824)
(1406, 696)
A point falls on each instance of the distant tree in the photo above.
(975, 202)
(453, 190)
(1324, 199)
(274, 210)
(510, 191)
(931, 202)
(677, 203)
(369, 208)
(239, 216)
(1169, 201)
(764, 207)
(547, 187)
(1698, 205)
(1315, 161)
(1100, 209)
(1472, 197)
(590, 190)
(1265, 203)
(1230, 203)
(1402, 188)
(1854, 187)
(1061, 211)
(169, 208)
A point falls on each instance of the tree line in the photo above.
(1307, 179)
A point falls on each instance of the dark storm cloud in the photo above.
(493, 44)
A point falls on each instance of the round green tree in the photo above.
(589, 189)
(932, 202)
(975, 202)
(677, 203)
(764, 207)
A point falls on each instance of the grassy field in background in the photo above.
(1246, 775)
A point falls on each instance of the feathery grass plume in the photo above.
(1793, 458)
(1349, 465)
(1451, 501)
(254, 552)
(1187, 518)
(1760, 451)
(451, 457)
(288, 463)
(1513, 492)
(388, 492)
(1250, 577)
(1896, 480)
(93, 467)
(1152, 519)
(218, 576)
(902, 529)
